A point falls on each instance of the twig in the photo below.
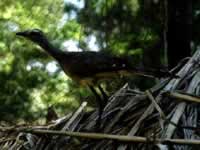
(183, 96)
(6, 140)
(135, 128)
(121, 138)
(171, 127)
(74, 120)
(122, 111)
(150, 96)
(78, 112)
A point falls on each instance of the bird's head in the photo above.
(34, 35)
(37, 36)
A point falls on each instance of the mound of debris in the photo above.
(166, 116)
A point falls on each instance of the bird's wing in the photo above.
(92, 63)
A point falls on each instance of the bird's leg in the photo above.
(100, 105)
(105, 97)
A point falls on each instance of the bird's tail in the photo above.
(155, 72)
(137, 67)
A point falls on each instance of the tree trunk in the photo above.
(179, 32)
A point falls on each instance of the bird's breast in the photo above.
(77, 76)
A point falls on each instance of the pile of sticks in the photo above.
(167, 116)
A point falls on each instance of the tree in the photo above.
(179, 33)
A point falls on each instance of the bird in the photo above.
(88, 67)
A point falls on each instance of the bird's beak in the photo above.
(21, 33)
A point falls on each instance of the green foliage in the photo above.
(27, 89)
(119, 24)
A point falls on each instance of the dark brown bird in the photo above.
(88, 67)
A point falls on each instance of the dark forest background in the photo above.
(154, 33)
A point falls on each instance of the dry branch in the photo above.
(184, 97)
(121, 138)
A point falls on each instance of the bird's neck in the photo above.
(51, 49)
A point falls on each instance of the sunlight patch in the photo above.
(71, 46)
(52, 67)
